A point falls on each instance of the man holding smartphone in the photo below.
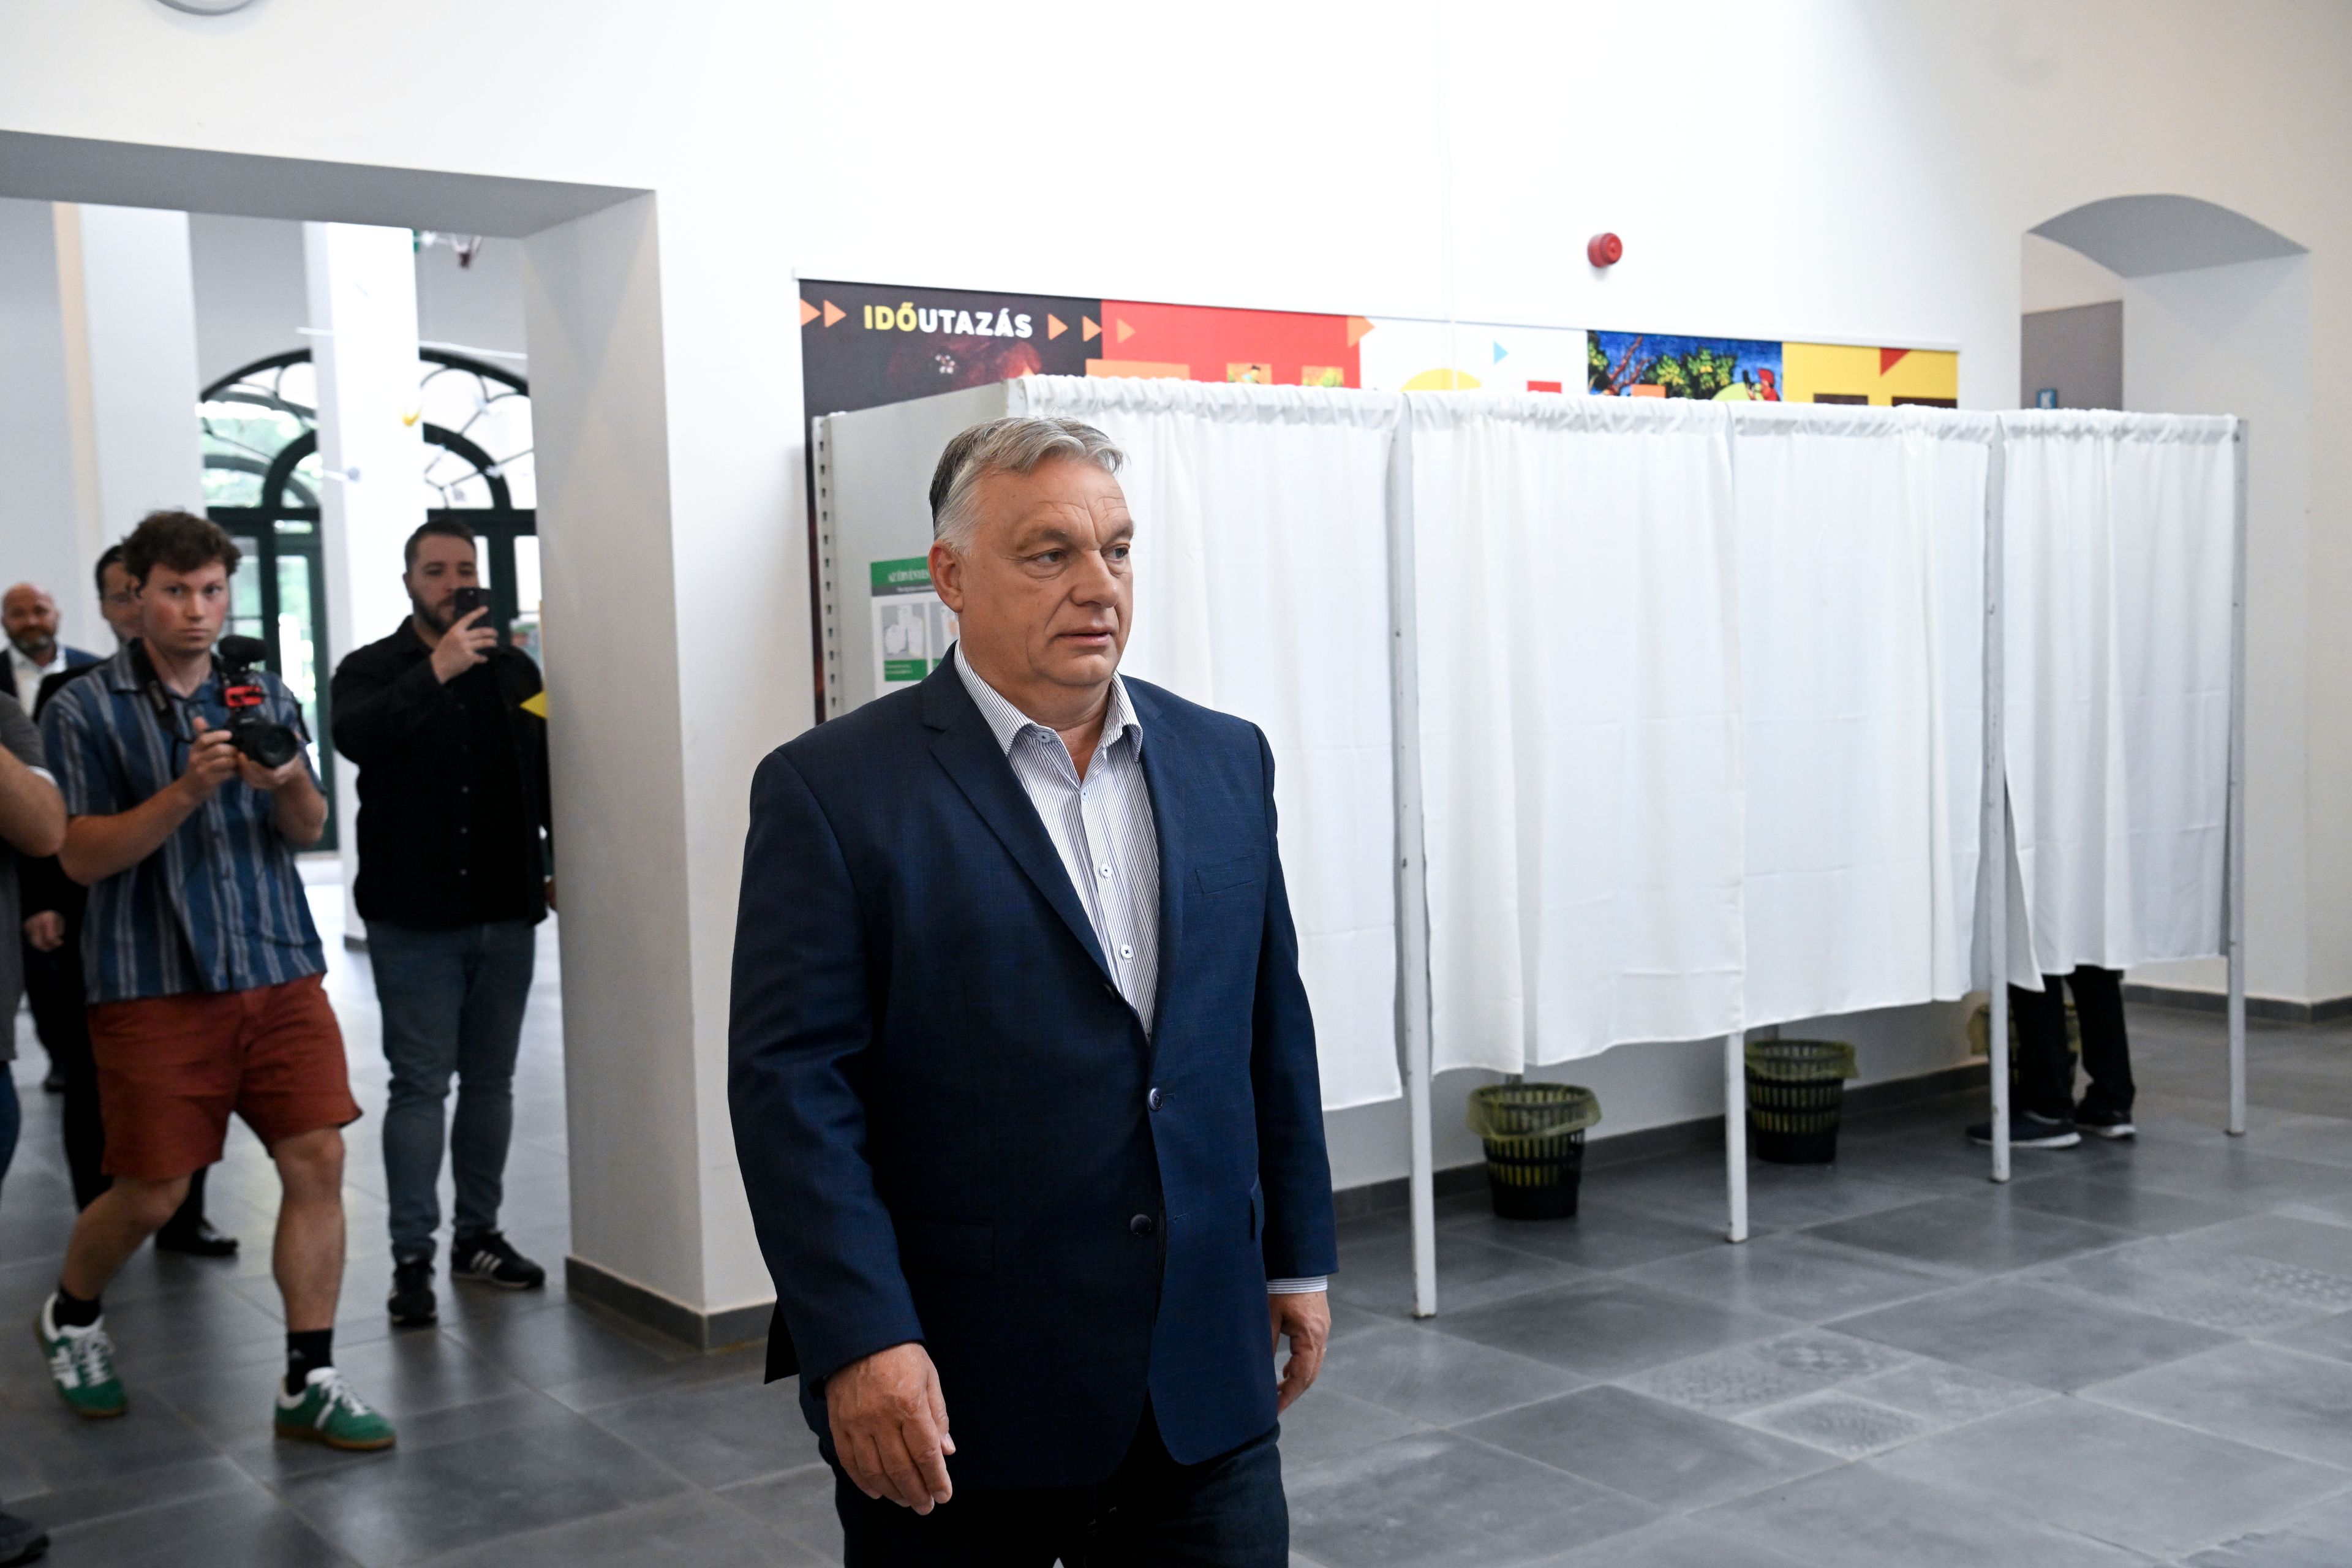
(453, 878)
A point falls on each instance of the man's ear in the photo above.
(947, 576)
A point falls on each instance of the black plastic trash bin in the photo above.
(1796, 1092)
(1534, 1134)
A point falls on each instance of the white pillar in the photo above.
(40, 511)
(363, 293)
(675, 603)
(127, 299)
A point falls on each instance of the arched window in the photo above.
(262, 483)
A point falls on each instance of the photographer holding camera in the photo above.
(52, 907)
(453, 878)
(187, 792)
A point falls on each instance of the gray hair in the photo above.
(1014, 446)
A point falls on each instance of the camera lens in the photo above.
(269, 743)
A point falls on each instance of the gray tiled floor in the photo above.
(2132, 1355)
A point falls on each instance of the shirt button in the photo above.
(1141, 1225)
(1125, 951)
(1153, 1099)
(1103, 871)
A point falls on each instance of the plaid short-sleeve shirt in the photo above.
(220, 906)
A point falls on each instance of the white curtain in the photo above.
(2119, 549)
(1262, 589)
(1862, 644)
(1577, 595)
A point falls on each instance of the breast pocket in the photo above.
(946, 1245)
(1226, 876)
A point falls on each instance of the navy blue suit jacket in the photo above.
(942, 1102)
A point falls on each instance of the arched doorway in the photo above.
(262, 482)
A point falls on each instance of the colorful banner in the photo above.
(867, 345)
(864, 345)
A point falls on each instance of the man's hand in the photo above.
(269, 781)
(464, 646)
(213, 761)
(890, 1427)
(1305, 1320)
(45, 930)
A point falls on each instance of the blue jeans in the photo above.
(452, 1004)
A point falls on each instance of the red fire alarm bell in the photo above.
(1603, 249)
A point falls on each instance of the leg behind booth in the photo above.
(2106, 1107)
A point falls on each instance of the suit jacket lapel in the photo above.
(1161, 779)
(967, 750)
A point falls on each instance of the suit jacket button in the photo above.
(1141, 1225)
(1153, 1099)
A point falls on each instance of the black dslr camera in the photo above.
(258, 736)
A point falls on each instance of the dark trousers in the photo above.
(2045, 1067)
(1226, 1512)
(53, 985)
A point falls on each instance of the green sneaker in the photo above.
(82, 1363)
(328, 1411)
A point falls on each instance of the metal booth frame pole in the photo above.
(2234, 832)
(1994, 836)
(1735, 1133)
(1412, 869)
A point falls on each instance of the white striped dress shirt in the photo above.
(1103, 828)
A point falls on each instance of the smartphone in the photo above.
(465, 601)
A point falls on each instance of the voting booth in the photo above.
(1603, 721)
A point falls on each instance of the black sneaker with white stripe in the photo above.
(2100, 1123)
(490, 1259)
(2027, 1131)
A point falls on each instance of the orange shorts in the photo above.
(172, 1068)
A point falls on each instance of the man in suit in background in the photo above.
(1022, 1075)
(30, 619)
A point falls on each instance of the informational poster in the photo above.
(912, 629)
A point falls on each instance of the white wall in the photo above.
(252, 299)
(478, 307)
(1857, 169)
(2054, 276)
(39, 537)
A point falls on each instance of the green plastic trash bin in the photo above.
(1534, 1134)
(1796, 1093)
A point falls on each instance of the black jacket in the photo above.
(432, 852)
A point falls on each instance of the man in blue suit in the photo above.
(1022, 1075)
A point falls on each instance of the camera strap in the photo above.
(160, 702)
